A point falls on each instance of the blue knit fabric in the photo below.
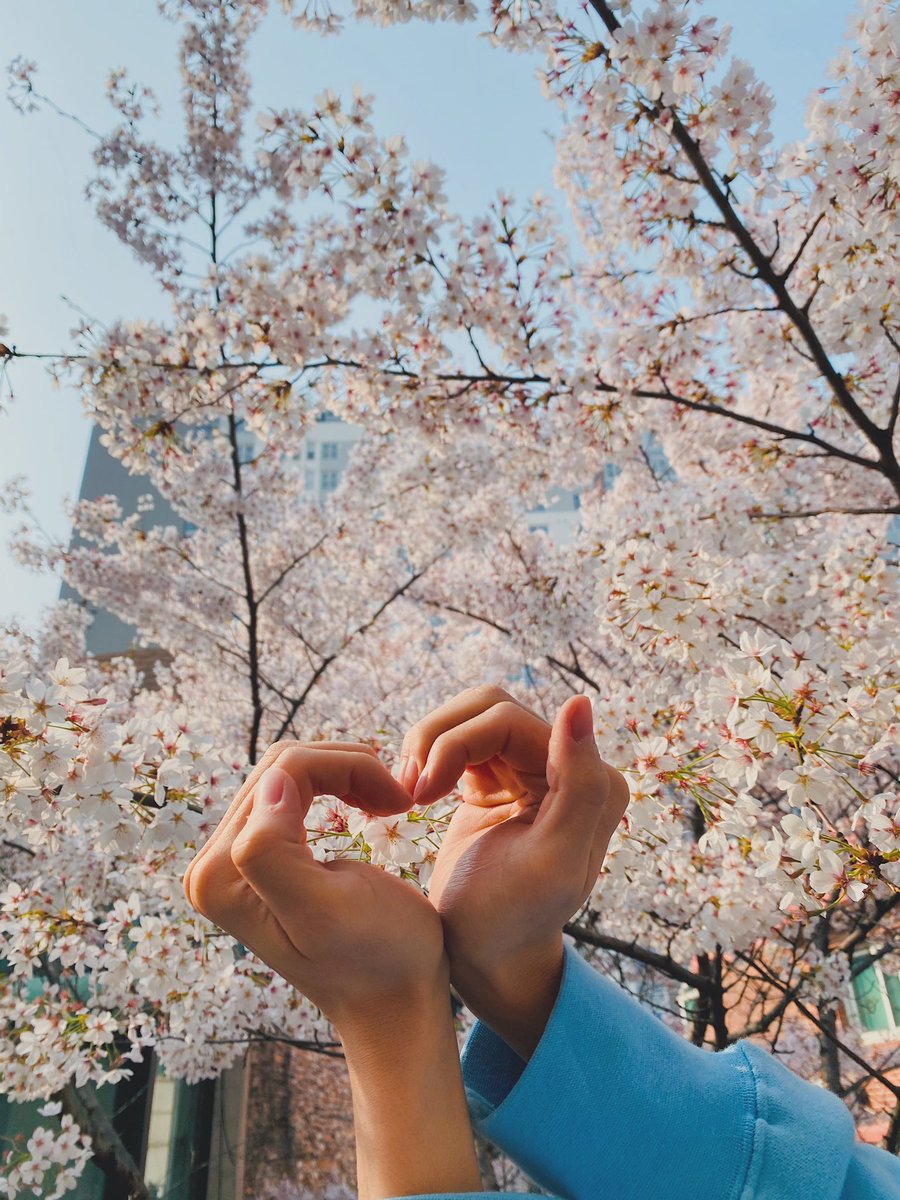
(613, 1105)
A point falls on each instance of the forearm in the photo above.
(413, 1133)
(514, 997)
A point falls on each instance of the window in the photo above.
(687, 1000)
(329, 449)
(246, 441)
(310, 449)
(610, 471)
(329, 481)
(876, 995)
(179, 1138)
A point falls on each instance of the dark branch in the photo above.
(651, 958)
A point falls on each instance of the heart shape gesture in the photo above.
(363, 945)
(520, 856)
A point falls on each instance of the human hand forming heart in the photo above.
(352, 938)
(520, 856)
(521, 853)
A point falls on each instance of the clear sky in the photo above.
(474, 110)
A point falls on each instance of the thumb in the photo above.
(271, 848)
(578, 779)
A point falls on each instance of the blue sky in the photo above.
(474, 110)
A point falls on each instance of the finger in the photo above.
(271, 854)
(359, 778)
(225, 828)
(274, 755)
(587, 796)
(506, 730)
(236, 905)
(421, 736)
(356, 775)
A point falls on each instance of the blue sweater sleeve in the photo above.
(613, 1105)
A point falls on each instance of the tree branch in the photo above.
(820, 512)
(893, 1088)
(651, 958)
(358, 632)
(879, 438)
(109, 1151)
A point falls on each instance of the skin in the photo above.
(521, 855)
(363, 945)
(522, 852)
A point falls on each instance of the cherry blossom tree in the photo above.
(711, 365)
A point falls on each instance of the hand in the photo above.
(521, 853)
(349, 936)
(365, 946)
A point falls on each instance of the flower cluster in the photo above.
(49, 1163)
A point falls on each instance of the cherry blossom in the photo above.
(710, 364)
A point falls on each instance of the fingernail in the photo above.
(581, 720)
(403, 772)
(421, 785)
(270, 788)
(412, 775)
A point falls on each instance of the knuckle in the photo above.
(618, 791)
(248, 849)
(292, 756)
(417, 741)
(278, 749)
(492, 693)
(343, 747)
(622, 790)
(280, 746)
(411, 734)
(441, 742)
(503, 715)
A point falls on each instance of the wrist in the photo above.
(372, 1029)
(413, 1133)
(515, 996)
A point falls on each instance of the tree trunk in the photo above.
(828, 1051)
(110, 1152)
